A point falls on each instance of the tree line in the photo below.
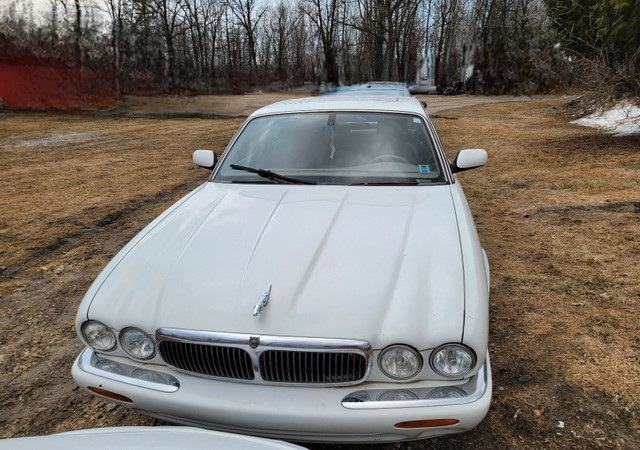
(603, 38)
(178, 46)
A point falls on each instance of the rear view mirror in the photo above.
(469, 159)
(205, 158)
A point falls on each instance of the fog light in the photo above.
(357, 397)
(111, 367)
(397, 395)
(446, 393)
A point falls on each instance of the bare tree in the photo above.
(282, 26)
(169, 14)
(248, 14)
(324, 14)
(389, 28)
(115, 10)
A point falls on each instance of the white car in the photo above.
(326, 284)
(136, 438)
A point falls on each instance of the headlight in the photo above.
(137, 343)
(99, 336)
(400, 362)
(452, 360)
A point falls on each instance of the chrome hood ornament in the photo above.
(262, 302)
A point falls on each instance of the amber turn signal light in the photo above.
(110, 394)
(426, 423)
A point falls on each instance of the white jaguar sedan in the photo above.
(325, 284)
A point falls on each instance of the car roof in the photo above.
(371, 103)
(383, 85)
(390, 86)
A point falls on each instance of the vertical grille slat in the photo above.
(237, 364)
(208, 360)
(315, 371)
(304, 368)
(189, 361)
(323, 368)
(246, 367)
(227, 362)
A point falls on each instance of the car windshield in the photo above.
(333, 148)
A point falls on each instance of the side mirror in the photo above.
(424, 104)
(469, 159)
(205, 158)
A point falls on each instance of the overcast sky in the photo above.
(39, 8)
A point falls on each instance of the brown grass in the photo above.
(64, 173)
(557, 209)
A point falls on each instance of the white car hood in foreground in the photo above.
(372, 263)
(136, 438)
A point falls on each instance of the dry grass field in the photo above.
(557, 209)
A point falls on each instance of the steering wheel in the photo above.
(389, 158)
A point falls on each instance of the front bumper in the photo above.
(365, 413)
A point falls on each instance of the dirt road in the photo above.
(556, 208)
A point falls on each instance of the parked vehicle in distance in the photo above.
(325, 284)
(456, 88)
(135, 438)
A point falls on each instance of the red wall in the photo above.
(27, 84)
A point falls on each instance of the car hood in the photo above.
(373, 263)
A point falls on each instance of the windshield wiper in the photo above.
(264, 173)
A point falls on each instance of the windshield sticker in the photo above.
(416, 120)
(424, 168)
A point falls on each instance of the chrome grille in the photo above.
(312, 367)
(265, 359)
(211, 360)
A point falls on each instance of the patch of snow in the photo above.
(54, 139)
(622, 120)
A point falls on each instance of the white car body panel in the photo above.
(382, 264)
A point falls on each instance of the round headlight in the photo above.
(99, 336)
(137, 343)
(452, 360)
(400, 362)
